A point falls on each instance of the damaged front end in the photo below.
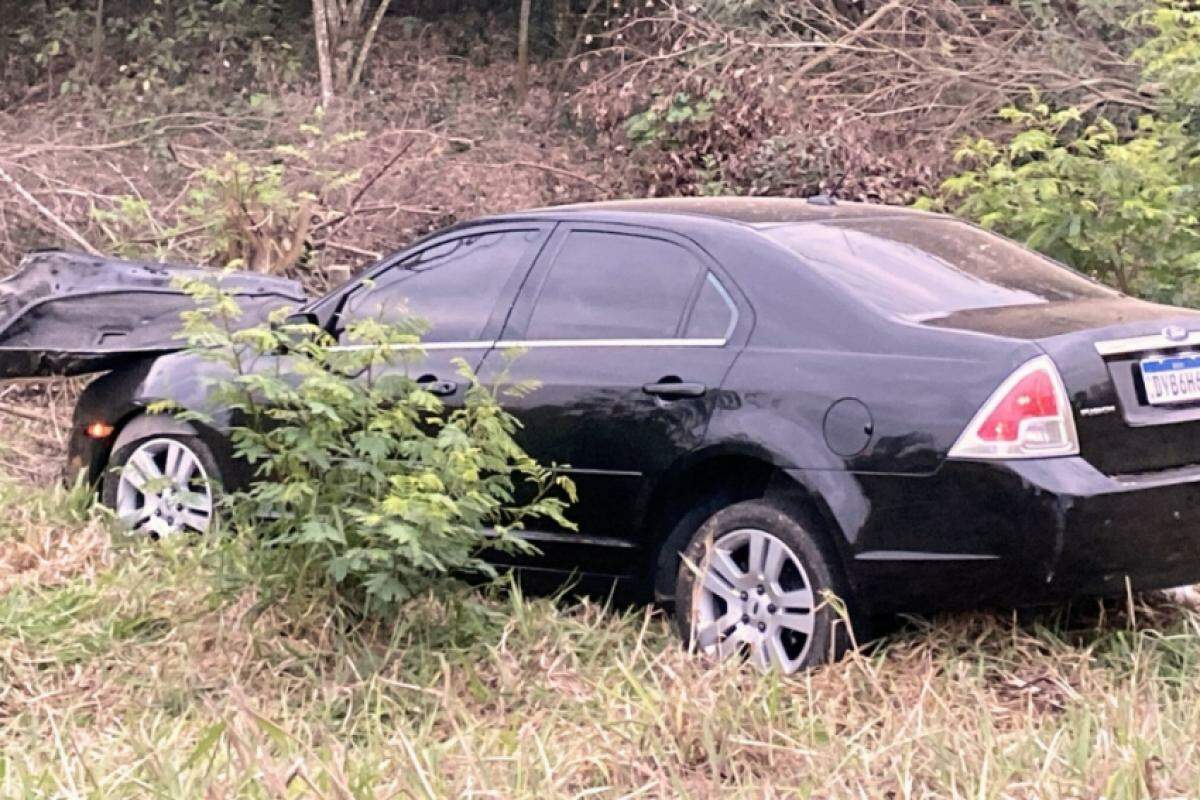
(64, 313)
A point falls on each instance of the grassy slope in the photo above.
(132, 670)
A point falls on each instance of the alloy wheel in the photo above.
(754, 598)
(163, 489)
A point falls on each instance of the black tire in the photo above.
(829, 637)
(666, 565)
(146, 429)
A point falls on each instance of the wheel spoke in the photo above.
(136, 515)
(718, 586)
(796, 622)
(711, 634)
(141, 470)
(157, 525)
(197, 522)
(174, 454)
(722, 563)
(796, 600)
(779, 656)
(731, 644)
(774, 559)
(758, 551)
(196, 501)
(146, 465)
(181, 464)
(761, 653)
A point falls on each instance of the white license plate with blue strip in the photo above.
(1172, 379)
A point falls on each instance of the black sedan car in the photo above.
(765, 403)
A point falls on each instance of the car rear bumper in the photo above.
(1016, 533)
(1119, 532)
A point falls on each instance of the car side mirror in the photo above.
(302, 318)
(287, 326)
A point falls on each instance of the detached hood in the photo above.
(65, 313)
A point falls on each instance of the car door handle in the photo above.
(674, 389)
(431, 384)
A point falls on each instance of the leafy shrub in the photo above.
(244, 214)
(1117, 202)
(1170, 57)
(1119, 208)
(363, 480)
(145, 52)
(696, 144)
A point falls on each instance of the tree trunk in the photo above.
(324, 67)
(522, 84)
(376, 21)
(169, 19)
(98, 39)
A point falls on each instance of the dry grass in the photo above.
(130, 670)
(35, 418)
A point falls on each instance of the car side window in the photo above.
(614, 286)
(452, 286)
(714, 315)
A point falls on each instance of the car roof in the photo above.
(751, 211)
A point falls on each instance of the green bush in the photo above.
(363, 480)
(153, 55)
(1116, 202)
(1122, 209)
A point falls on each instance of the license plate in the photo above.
(1172, 379)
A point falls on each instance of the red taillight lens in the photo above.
(1032, 397)
(1029, 416)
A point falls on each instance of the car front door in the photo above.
(628, 334)
(456, 292)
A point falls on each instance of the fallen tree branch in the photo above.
(24, 413)
(379, 174)
(845, 41)
(552, 170)
(168, 236)
(336, 222)
(58, 222)
(371, 254)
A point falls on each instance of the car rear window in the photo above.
(923, 267)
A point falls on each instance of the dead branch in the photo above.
(25, 413)
(552, 170)
(366, 187)
(353, 209)
(56, 220)
(935, 70)
(371, 254)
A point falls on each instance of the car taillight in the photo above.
(1029, 416)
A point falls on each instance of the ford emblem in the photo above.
(1175, 333)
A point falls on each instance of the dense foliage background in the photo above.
(305, 136)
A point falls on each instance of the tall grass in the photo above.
(137, 670)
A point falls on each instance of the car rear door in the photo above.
(628, 333)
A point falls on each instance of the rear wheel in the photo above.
(752, 583)
(162, 483)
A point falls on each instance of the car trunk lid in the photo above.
(1098, 347)
(65, 313)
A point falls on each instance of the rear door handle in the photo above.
(675, 389)
(431, 384)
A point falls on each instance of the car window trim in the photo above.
(711, 277)
(533, 344)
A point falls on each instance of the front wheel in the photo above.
(753, 583)
(162, 483)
